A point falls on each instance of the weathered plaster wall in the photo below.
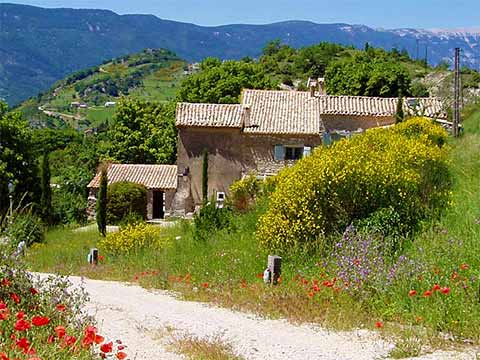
(232, 154)
(353, 123)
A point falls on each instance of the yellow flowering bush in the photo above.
(400, 168)
(134, 237)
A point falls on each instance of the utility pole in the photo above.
(426, 56)
(456, 99)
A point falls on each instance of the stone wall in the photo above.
(232, 154)
(353, 123)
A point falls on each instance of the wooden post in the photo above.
(275, 267)
(93, 256)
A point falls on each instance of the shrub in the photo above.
(133, 238)
(69, 207)
(126, 198)
(243, 192)
(210, 219)
(25, 226)
(423, 129)
(401, 168)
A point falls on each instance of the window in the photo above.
(293, 153)
(282, 152)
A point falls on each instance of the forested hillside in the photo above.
(40, 46)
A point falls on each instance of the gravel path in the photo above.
(144, 320)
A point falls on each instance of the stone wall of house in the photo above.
(232, 154)
(353, 123)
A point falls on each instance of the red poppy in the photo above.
(60, 307)
(121, 355)
(379, 324)
(60, 331)
(40, 320)
(315, 288)
(22, 325)
(427, 293)
(107, 347)
(464, 266)
(436, 287)
(20, 315)
(445, 290)
(205, 285)
(15, 298)
(328, 283)
(33, 291)
(69, 340)
(5, 282)
(412, 293)
(311, 294)
(101, 258)
(23, 343)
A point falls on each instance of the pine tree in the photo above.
(205, 176)
(399, 115)
(46, 197)
(101, 211)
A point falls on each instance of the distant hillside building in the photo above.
(270, 130)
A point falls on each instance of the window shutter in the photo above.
(327, 139)
(307, 150)
(279, 153)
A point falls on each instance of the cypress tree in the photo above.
(205, 176)
(46, 197)
(101, 211)
(399, 115)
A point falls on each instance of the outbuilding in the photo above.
(160, 181)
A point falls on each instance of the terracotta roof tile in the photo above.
(209, 115)
(296, 112)
(152, 176)
(357, 105)
(282, 112)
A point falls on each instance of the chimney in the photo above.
(321, 86)
(312, 85)
(246, 115)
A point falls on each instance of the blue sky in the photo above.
(375, 13)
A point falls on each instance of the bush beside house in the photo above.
(126, 199)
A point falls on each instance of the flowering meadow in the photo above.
(419, 286)
(44, 319)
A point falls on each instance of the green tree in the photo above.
(205, 176)
(399, 115)
(222, 83)
(364, 76)
(46, 197)
(143, 133)
(18, 163)
(101, 209)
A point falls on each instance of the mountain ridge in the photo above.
(39, 46)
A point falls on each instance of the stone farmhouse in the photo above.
(267, 131)
(270, 130)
